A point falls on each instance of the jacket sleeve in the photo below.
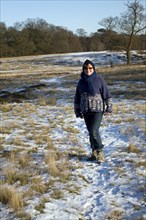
(77, 103)
(106, 95)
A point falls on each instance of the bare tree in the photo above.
(108, 35)
(132, 23)
(109, 23)
(81, 32)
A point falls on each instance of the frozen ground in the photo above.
(114, 190)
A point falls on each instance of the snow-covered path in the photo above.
(113, 190)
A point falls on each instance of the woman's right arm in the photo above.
(77, 103)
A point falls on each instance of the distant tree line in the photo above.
(36, 36)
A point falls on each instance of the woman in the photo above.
(92, 100)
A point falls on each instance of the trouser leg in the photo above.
(93, 122)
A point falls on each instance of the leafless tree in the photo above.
(81, 32)
(109, 23)
(132, 23)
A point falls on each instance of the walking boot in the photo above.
(92, 157)
(99, 155)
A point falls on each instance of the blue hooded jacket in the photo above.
(92, 95)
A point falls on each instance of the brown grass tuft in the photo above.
(38, 185)
(50, 159)
(24, 160)
(11, 197)
(132, 148)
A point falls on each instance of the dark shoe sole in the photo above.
(92, 158)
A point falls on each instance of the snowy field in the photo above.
(45, 174)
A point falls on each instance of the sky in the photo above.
(69, 14)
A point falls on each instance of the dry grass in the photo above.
(17, 141)
(5, 194)
(133, 148)
(42, 101)
(142, 125)
(71, 129)
(23, 215)
(116, 108)
(2, 139)
(50, 160)
(49, 144)
(118, 119)
(141, 108)
(13, 175)
(115, 214)
(139, 218)
(11, 197)
(120, 171)
(58, 165)
(27, 129)
(40, 207)
(38, 185)
(40, 138)
(10, 174)
(52, 101)
(16, 201)
(24, 159)
(57, 194)
(75, 189)
(6, 107)
(8, 127)
(141, 163)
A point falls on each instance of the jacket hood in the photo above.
(88, 62)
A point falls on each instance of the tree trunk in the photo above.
(128, 53)
(128, 56)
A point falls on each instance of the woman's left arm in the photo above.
(107, 98)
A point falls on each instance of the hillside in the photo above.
(44, 171)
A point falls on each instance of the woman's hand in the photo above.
(107, 113)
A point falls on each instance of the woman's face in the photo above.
(88, 69)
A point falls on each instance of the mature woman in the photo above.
(92, 100)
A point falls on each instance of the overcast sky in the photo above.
(71, 14)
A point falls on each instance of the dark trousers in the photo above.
(93, 122)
